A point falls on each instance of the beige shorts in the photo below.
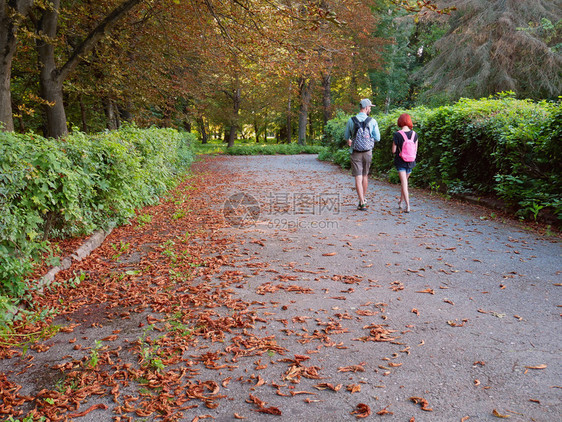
(361, 163)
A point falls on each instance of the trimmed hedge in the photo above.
(273, 149)
(498, 145)
(76, 185)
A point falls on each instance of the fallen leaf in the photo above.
(296, 393)
(428, 290)
(328, 386)
(353, 368)
(329, 254)
(457, 324)
(362, 411)
(385, 411)
(353, 388)
(543, 366)
(422, 402)
(110, 338)
(270, 410)
(88, 410)
(499, 415)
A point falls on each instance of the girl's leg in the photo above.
(404, 188)
(407, 193)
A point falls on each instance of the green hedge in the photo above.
(76, 185)
(498, 145)
(272, 149)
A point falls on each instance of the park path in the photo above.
(257, 291)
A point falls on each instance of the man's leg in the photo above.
(359, 186)
(365, 186)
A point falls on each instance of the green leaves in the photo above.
(74, 186)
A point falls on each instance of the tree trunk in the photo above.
(83, 114)
(265, 130)
(327, 97)
(387, 104)
(257, 130)
(7, 50)
(112, 122)
(305, 92)
(8, 42)
(231, 136)
(236, 100)
(51, 77)
(202, 130)
(289, 127)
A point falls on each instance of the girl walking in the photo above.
(404, 148)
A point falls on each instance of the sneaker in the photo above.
(361, 207)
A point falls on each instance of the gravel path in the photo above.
(442, 314)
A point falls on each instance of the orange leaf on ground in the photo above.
(428, 290)
(385, 411)
(353, 388)
(542, 366)
(88, 410)
(362, 411)
(422, 402)
(499, 415)
(326, 386)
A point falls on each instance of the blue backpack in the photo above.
(362, 139)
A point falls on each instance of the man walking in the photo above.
(361, 133)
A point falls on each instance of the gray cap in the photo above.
(365, 103)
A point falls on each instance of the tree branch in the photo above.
(96, 35)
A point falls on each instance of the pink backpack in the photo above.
(409, 147)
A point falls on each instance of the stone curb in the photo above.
(82, 252)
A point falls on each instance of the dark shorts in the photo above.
(361, 163)
(406, 169)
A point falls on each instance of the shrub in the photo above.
(272, 149)
(76, 185)
(334, 132)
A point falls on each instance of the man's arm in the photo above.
(348, 131)
(375, 131)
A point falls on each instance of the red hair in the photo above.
(405, 120)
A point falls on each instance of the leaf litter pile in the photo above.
(175, 317)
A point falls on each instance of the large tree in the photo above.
(12, 13)
(497, 45)
(52, 74)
